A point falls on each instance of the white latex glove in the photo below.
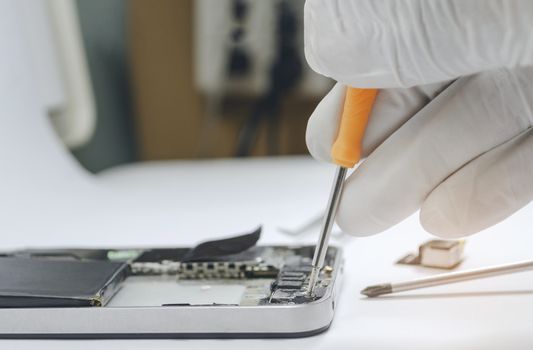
(461, 151)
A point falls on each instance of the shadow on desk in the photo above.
(452, 295)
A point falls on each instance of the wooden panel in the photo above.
(169, 111)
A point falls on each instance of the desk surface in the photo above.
(167, 203)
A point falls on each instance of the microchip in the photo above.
(298, 269)
(287, 274)
(292, 276)
(283, 284)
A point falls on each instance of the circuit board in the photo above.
(269, 275)
(259, 275)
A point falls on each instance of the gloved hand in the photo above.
(459, 150)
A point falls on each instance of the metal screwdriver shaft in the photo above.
(329, 218)
(346, 152)
(447, 278)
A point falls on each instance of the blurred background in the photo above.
(178, 79)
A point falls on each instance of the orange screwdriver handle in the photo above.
(347, 148)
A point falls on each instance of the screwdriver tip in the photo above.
(377, 290)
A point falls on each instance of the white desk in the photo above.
(186, 202)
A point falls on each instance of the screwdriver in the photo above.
(346, 153)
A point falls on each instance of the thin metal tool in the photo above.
(446, 278)
(328, 221)
(346, 153)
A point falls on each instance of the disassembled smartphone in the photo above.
(220, 289)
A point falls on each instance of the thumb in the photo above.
(391, 43)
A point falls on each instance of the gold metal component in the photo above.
(443, 254)
(96, 302)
